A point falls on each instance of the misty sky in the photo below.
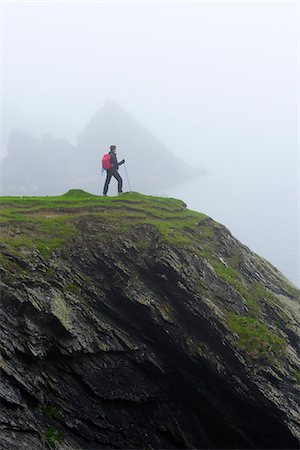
(215, 82)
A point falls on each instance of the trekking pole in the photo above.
(127, 177)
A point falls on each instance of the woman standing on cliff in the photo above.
(112, 170)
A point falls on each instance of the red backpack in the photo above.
(106, 164)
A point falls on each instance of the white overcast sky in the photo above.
(216, 82)
(192, 72)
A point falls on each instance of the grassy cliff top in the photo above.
(15, 208)
(47, 222)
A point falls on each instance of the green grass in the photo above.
(227, 273)
(255, 340)
(45, 236)
(235, 257)
(11, 266)
(50, 411)
(50, 273)
(14, 206)
(47, 223)
(72, 288)
(253, 295)
(297, 377)
(53, 437)
(290, 289)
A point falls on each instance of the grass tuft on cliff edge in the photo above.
(48, 222)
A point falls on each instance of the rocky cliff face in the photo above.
(131, 322)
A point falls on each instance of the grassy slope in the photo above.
(47, 222)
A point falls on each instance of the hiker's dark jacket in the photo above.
(114, 161)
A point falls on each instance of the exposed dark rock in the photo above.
(125, 340)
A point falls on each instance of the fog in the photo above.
(218, 84)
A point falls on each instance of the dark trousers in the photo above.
(112, 173)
